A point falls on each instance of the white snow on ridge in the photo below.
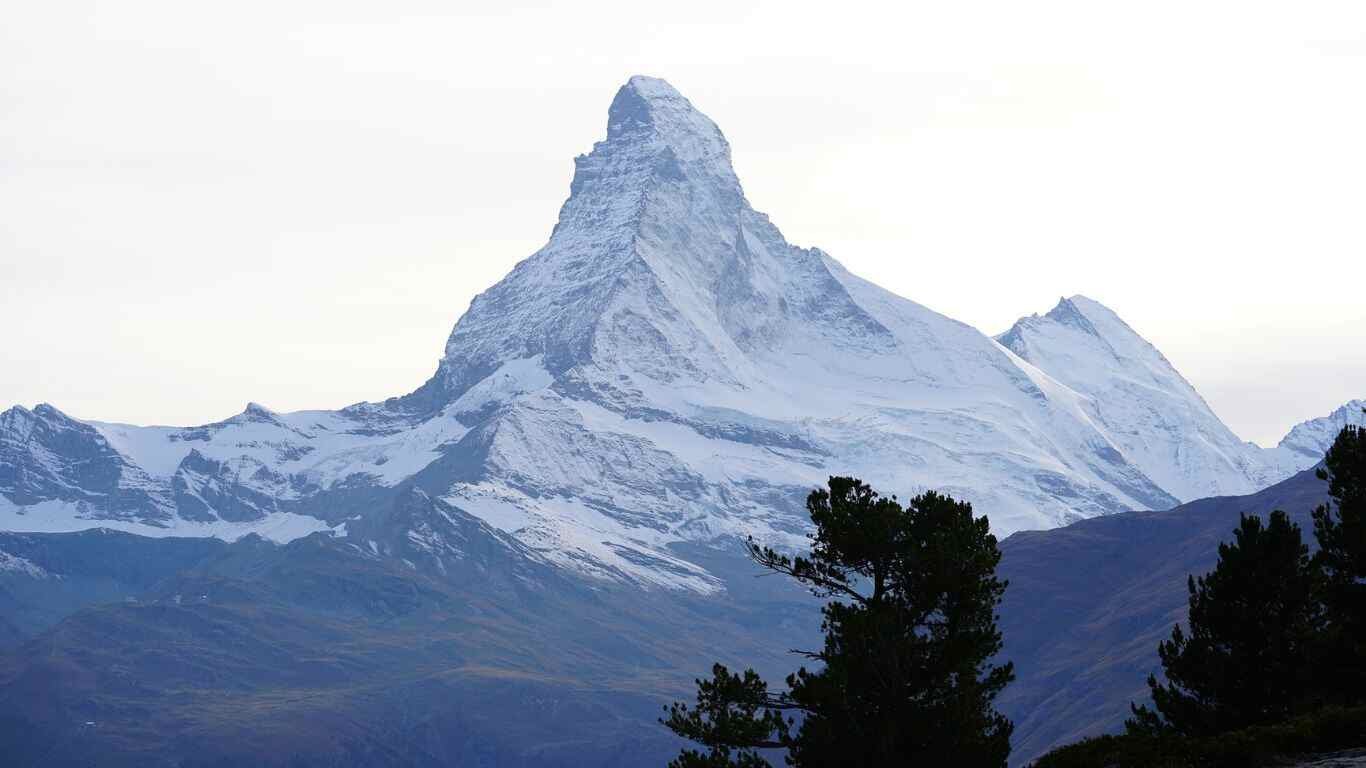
(513, 378)
(576, 536)
(61, 517)
(321, 446)
(1305, 441)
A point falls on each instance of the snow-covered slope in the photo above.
(1135, 396)
(1305, 441)
(667, 369)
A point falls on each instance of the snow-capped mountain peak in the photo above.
(1139, 399)
(648, 110)
(1080, 325)
(580, 288)
(658, 269)
(666, 372)
(1305, 440)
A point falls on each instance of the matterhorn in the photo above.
(668, 370)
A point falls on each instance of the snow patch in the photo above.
(22, 566)
(63, 517)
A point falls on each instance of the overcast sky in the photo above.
(292, 202)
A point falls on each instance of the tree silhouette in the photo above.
(1253, 622)
(905, 673)
(1340, 527)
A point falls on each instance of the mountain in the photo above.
(1143, 405)
(44, 578)
(519, 562)
(351, 650)
(1089, 602)
(1305, 440)
(667, 371)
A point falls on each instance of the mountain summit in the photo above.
(666, 372)
(662, 173)
(1146, 407)
(657, 266)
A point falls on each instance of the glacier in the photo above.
(666, 371)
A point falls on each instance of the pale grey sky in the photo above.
(292, 202)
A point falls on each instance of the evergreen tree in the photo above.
(905, 675)
(1340, 527)
(1253, 622)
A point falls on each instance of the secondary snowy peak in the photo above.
(1139, 399)
(1306, 439)
(1084, 331)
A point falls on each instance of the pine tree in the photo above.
(1340, 527)
(905, 676)
(1253, 621)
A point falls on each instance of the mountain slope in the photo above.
(360, 651)
(1142, 403)
(44, 578)
(1088, 604)
(667, 370)
(332, 652)
(1306, 439)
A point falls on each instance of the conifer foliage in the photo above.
(1273, 633)
(905, 676)
(1275, 658)
(1253, 621)
(1340, 527)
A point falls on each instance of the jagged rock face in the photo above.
(428, 535)
(47, 456)
(668, 370)
(237, 490)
